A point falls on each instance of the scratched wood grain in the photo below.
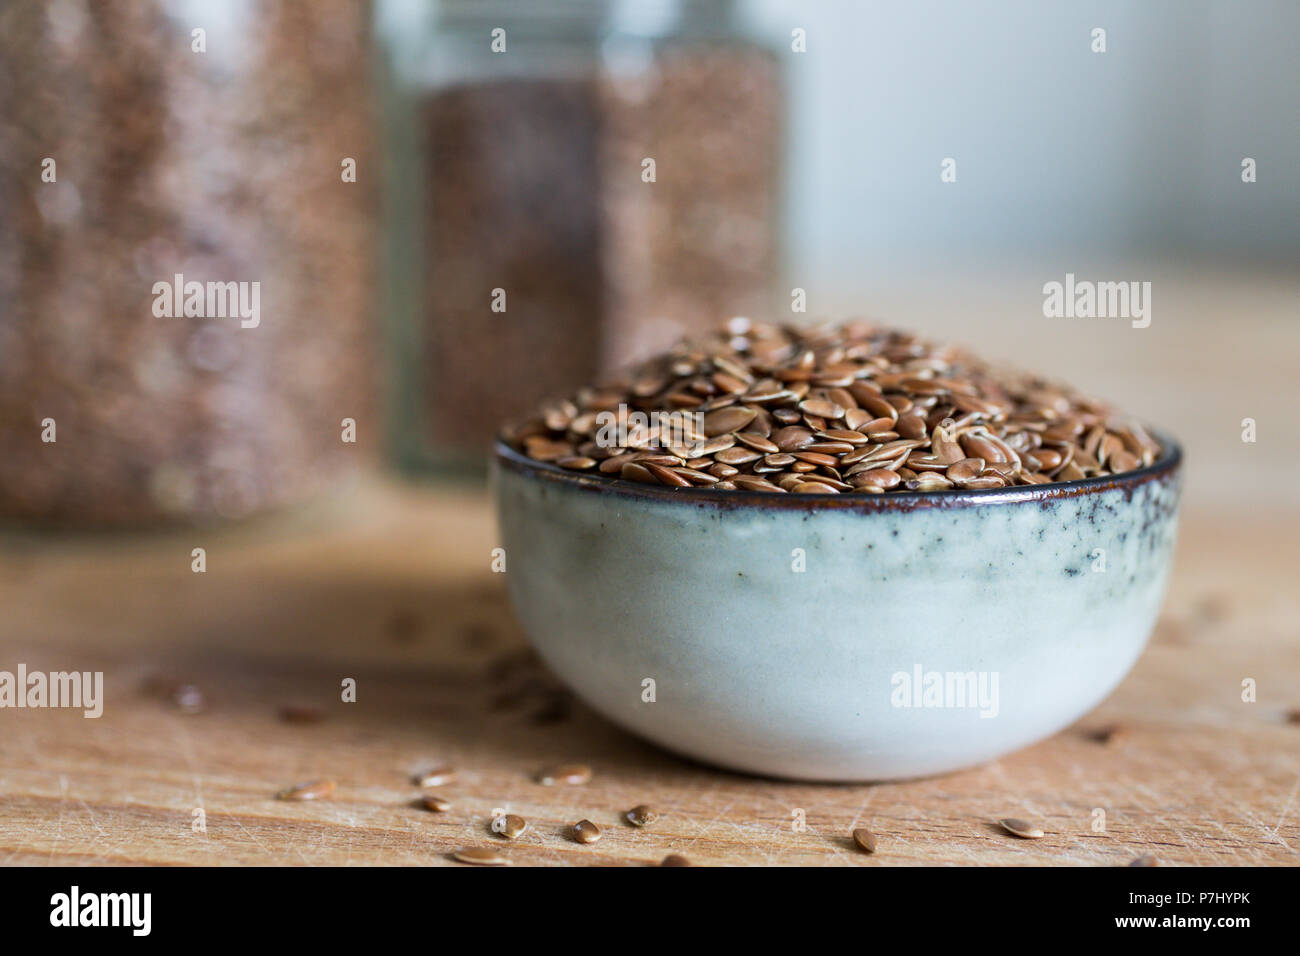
(390, 585)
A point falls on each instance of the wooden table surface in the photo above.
(390, 585)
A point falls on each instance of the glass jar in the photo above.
(530, 243)
(146, 146)
(688, 86)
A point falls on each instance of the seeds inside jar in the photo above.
(848, 409)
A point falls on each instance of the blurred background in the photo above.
(454, 209)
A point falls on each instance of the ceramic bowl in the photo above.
(838, 637)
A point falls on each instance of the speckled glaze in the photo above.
(1047, 594)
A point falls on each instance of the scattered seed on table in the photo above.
(300, 714)
(642, 815)
(316, 790)
(572, 774)
(439, 776)
(1146, 859)
(584, 831)
(556, 710)
(1110, 734)
(435, 803)
(1020, 828)
(865, 839)
(509, 825)
(1293, 715)
(675, 859)
(480, 856)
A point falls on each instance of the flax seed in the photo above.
(844, 435)
(816, 458)
(737, 456)
(1110, 735)
(696, 477)
(757, 442)
(931, 414)
(792, 438)
(633, 471)
(832, 448)
(479, 856)
(1121, 461)
(755, 483)
(614, 464)
(571, 774)
(814, 488)
(438, 777)
(667, 476)
(865, 839)
(965, 469)
(641, 815)
(880, 476)
(822, 408)
(509, 825)
(710, 447)
(300, 714)
(1020, 828)
(584, 831)
(316, 790)
(731, 419)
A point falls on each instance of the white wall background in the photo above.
(1059, 150)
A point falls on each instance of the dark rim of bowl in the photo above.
(1163, 467)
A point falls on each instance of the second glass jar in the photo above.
(569, 189)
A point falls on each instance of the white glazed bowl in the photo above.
(926, 631)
